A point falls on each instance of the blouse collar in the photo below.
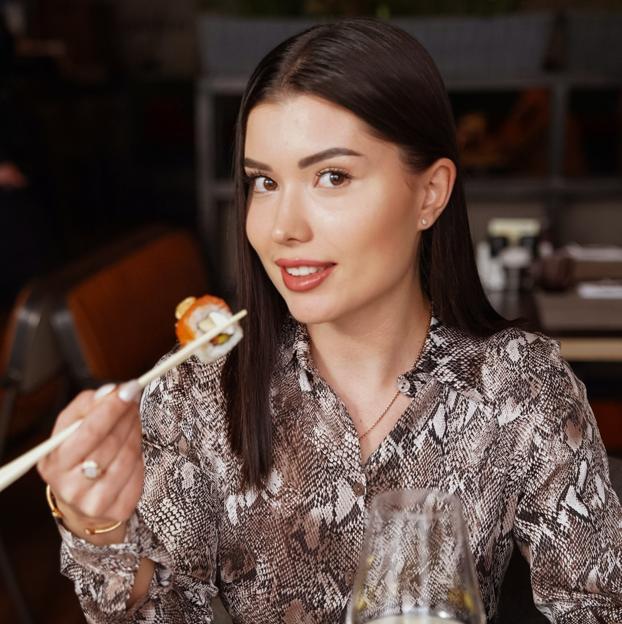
(449, 356)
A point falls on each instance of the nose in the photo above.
(290, 223)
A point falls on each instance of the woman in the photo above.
(372, 360)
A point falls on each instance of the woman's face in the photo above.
(334, 214)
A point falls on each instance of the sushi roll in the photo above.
(197, 316)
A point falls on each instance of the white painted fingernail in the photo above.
(130, 391)
(104, 390)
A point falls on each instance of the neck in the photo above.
(372, 345)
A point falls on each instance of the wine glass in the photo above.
(416, 566)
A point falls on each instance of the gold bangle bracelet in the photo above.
(51, 499)
(57, 513)
(100, 530)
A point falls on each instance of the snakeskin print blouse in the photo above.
(501, 422)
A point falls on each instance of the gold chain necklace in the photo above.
(386, 409)
(390, 405)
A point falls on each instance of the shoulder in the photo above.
(528, 395)
(178, 406)
(514, 355)
(510, 371)
(531, 359)
(525, 375)
(515, 349)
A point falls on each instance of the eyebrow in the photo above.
(307, 161)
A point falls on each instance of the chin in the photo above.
(312, 311)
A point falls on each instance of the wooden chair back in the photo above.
(116, 321)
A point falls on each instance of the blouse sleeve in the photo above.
(174, 525)
(569, 520)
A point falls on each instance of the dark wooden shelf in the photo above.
(505, 187)
(226, 76)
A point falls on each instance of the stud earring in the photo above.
(424, 222)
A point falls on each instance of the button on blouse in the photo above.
(501, 422)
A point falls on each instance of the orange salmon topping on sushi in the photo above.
(198, 316)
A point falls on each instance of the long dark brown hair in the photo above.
(388, 79)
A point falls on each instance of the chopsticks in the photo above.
(12, 471)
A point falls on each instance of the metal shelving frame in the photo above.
(553, 190)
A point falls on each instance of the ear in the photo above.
(438, 183)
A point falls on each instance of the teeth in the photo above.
(302, 270)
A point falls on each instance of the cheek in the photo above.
(256, 227)
(259, 235)
(384, 259)
(383, 233)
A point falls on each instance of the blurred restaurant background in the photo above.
(116, 124)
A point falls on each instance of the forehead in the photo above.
(304, 123)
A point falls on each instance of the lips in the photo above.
(302, 275)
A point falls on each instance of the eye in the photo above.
(261, 183)
(333, 178)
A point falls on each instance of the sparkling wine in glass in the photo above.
(416, 566)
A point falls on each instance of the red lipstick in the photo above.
(302, 283)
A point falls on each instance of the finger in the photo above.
(119, 507)
(70, 485)
(98, 423)
(112, 444)
(97, 500)
(91, 497)
(101, 457)
(74, 411)
(127, 500)
(78, 410)
(81, 404)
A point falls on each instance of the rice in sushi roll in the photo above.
(196, 317)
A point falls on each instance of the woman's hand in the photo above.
(110, 436)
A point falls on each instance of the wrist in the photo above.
(95, 530)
